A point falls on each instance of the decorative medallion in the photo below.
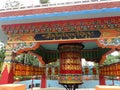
(109, 42)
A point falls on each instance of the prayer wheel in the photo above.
(117, 69)
(49, 71)
(70, 63)
(56, 71)
(86, 70)
(94, 71)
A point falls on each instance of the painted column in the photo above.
(7, 73)
(70, 63)
(101, 76)
(102, 80)
(43, 79)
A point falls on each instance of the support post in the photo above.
(7, 73)
(102, 80)
(102, 77)
(43, 81)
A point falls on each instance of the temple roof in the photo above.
(49, 8)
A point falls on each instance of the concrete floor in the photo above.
(54, 88)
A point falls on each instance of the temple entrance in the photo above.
(68, 41)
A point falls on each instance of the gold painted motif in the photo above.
(71, 67)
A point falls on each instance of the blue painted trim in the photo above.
(59, 14)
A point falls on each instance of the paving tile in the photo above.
(53, 88)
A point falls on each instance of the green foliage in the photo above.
(44, 1)
(22, 77)
(96, 65)
(112, 59)
(20, 58)
(2, 54)
(118, 56)
(27, 59)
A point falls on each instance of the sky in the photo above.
(88, 62)
(115, 53)
(1, 44)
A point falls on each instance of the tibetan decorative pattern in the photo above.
(68, 35)
(110, 41)
(70, 63)
(66, 26)
(70, 79)
(67, 29)
(22, 46)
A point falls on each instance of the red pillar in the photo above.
(102, 80)
(6, 76)
(43, 81)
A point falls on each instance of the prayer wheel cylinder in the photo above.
(86, 70)
(70, 63)
(94, 71)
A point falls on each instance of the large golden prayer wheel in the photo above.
(70, 63)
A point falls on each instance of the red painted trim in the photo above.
(61, 9)
(7, 77)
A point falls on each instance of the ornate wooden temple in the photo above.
(66, 32)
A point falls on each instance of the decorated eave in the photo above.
(103, 31)
(107, 27)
